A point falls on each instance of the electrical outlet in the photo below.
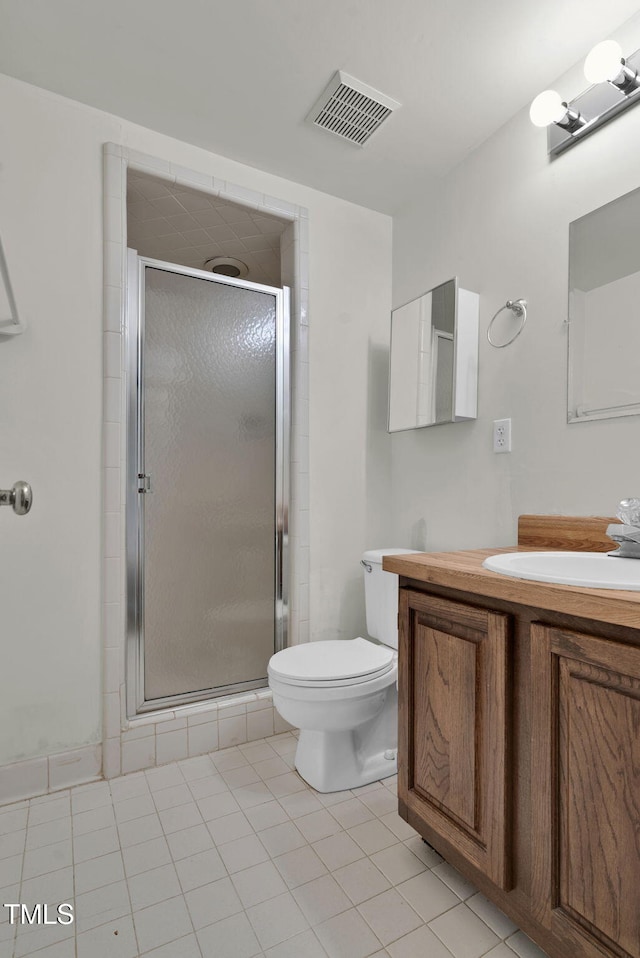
(502, 435)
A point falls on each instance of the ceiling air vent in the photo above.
(351, 109)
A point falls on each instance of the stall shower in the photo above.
(207, 462)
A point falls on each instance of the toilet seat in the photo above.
(332, 663)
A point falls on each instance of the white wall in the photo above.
(350, 447)
(50, 405)
(500, 221)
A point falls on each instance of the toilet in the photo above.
(342, 694)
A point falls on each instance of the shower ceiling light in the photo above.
(616, 87)
(227, 266)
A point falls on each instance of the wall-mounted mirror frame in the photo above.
(433, 363)
(10, 323)
(603, 353)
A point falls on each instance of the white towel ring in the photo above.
(519, 309)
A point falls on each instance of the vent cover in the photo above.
(351, 109)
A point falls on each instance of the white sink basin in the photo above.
(594, 570)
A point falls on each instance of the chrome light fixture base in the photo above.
(599, 104)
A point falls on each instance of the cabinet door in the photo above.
(455, 725)
(586, 775)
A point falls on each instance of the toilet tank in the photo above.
(381, 596)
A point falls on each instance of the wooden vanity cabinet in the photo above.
(454, 734)
(586, 770)
(519, 760)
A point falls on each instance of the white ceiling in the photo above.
(238, 77)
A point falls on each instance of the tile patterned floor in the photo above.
(232, 855)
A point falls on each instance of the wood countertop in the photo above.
(463, 572)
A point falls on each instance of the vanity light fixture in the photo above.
(549, 107)
(605, 63)
(615, 87)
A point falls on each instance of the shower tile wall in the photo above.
(299, 491)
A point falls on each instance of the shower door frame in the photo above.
(135, 500)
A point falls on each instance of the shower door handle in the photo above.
(144, 482)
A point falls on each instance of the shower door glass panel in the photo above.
(208, 436)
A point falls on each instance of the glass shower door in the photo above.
(210, 486)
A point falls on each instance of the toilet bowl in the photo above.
(342, 694)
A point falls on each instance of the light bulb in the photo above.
(604, 62)
(547, 108)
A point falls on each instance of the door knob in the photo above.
(20, 497)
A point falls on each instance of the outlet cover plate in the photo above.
(502, 435)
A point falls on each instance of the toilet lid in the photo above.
(332, 660)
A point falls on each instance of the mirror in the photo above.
(9, 321)
(433, 376)
(604, 298)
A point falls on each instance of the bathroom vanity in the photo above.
(519, 737)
